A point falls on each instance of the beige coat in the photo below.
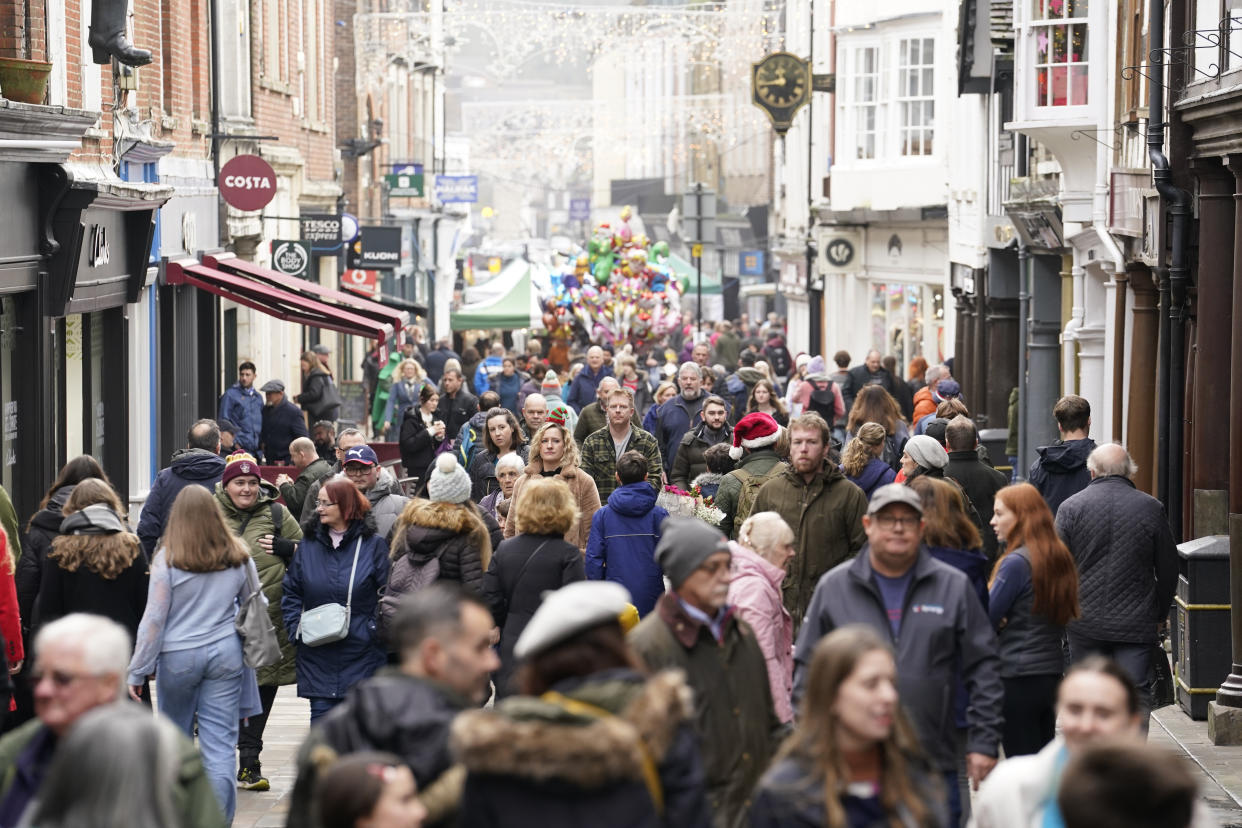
(585, 495)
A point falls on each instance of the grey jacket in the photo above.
(1126, 556)
(944, 632)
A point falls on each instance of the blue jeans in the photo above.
(953, 797)
(320, 707)
(206, 682)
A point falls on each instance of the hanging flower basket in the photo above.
(24, 81)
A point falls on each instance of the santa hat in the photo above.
(754, 431)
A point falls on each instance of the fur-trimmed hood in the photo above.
(541, 740)
(425, 525)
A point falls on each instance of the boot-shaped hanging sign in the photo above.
(107, 38)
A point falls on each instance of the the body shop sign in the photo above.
(247, 182)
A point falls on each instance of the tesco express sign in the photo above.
(247, 182)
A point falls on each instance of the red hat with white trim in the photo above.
(754, 431)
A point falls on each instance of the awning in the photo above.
(518, 308)
(711, 281)
(395, 318)
(276, 301)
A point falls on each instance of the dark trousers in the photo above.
(250, 734)
(1134, 658)
(1030, 713)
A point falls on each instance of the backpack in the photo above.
(823, 402)
(469, 446)
(423, 575)
(751, 484)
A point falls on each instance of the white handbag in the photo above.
(327, 623)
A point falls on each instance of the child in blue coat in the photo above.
(624, 534)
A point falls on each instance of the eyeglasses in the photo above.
(323, 504)
(890, 522)
(60, 678)
(357, 471)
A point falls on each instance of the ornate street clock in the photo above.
(780, 86)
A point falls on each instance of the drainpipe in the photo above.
(1024, 312)
(1173, 283)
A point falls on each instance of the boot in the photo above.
(107, 35)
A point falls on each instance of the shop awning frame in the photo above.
(396, 318)
(276, 301)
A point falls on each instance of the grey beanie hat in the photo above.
(684, 544)
(449, 482)
(927, 452)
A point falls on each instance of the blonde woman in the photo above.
(555, 454)
(96, 565)
(764, 546)
(861, 460)
(536, 560)
(403, 394)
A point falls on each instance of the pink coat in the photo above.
(756, 592)
(802, 398)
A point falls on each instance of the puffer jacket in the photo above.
(690, 461)
(385, 498)
(756, 592)
(1060, 471)
(944, 633)
(188, 466)
(584, 492)
(621, 547)
(392, 712)
(577, 757)
(522, 571)
(258, 522)
(826, 518)
(42, 529)
(1127, 560)
(452, 533)
(320, 574)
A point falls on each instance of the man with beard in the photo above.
(823, 508)
(693, 629)
(680, 414)
(691, 459)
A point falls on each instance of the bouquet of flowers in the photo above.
(681, 503)
(705, 508)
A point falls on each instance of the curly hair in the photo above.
(105, 555)
(868, 443)
(570, 456)
(548, 507)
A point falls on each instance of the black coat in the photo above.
(282, 424)
(36, 543)
(860, 378)
(319, 397)
(522, 570)
(123, 599)
(1060, 471)
(531, 761)
(391, 712)
(457, 410)
(418, 445)
(980, 482)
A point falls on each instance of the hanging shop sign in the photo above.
(360, 281)
(377, 248)
(290, 257)
(457, 189)
(321, 229)
(247, 182)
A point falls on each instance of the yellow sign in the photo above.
(493, 264)
(696, 250)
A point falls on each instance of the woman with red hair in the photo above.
(342, 562)
(1033, 594)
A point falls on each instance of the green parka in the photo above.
(258, 522)
(826, 518)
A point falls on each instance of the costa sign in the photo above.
(247, 182)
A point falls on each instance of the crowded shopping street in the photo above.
(715, 414)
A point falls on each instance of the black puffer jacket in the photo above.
(522, 570)
(1126, 556)
(44, 527)
(453, 533)
(392, 712)
(533, 761)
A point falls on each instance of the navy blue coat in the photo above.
(674, 419)
(585, 387)
(317, 576)
(188, 466)
(621, 547)
(282, 423)
(1060, 471)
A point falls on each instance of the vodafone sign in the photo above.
(360, 281)
(247, 182)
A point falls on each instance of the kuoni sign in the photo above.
(360, 281)
(247, 182)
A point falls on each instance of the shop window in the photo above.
(907, 320)
(1060, 31)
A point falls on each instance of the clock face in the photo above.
(781, 80)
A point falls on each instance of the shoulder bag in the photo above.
(260, 647)
(328, 623)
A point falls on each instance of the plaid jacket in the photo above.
(599, 458)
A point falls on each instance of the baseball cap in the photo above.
(361, 454)
(894, 493)
(948, 388)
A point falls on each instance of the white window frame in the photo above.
(866, 102)
(916, 96)
(904, 117)
(1037, 20)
